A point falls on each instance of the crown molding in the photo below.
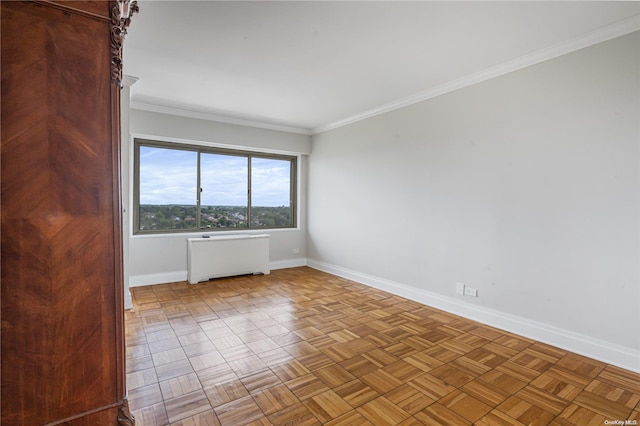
(600, 35)
(129, 80)
(145, 106)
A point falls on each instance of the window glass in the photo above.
(168, 193)
(270, 192)
(224, 199)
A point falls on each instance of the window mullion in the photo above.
(292, 192)
(249, 220)
(199, 191)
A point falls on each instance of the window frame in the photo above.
(200, 149)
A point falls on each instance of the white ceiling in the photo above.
(310, 66)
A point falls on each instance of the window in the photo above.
(186, 188)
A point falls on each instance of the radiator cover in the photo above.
(228, 255)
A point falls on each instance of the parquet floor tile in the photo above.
(215, 375)
(431, 386)
(302, 347)
(498, 418)
(240, 412)
(356, 393)
(524, 411)
(620, 378)
(145, 396)
(173, 369)
(437, 414)
(207, 418)
(487, 393)
(349, 419)
(327, 406)
(381, 381)
(226, 392)
(161, 345)
(542, 399)
(306, 386)
(260, 381)
(409, 399)
(556, 386)
(154, 414)
(576, 414)
(601, 405)
(141, 378)
(452, 375)
(274, 399)
(382, 412)
(179, 386)
(186, 405)
(466, 405)
(296, 415)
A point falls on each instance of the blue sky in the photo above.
(169, 176)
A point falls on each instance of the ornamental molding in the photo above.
(121, 13)
(125, 418)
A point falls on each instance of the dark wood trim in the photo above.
(117, 242)
(87, 414)
(125, 418)
(68, 9)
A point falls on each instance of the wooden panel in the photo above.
(60, 256)
(104, 417)
(100, 8)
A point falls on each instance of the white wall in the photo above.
(173, 127)
(525, 187)
(125, 165)
(163, 258)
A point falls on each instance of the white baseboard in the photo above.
(598, 349)
(128, 303)
(171, 277)
(288, 263)
(159, 278)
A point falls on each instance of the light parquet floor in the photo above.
(301, 347)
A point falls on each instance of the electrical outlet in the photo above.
(296, 250)
(460, 288)
(469, 291)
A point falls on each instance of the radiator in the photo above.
(225, 256)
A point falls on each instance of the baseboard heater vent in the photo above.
(226, 256)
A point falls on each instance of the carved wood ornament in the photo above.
(121, 13)
(125, 418)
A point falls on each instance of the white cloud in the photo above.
(169, 176)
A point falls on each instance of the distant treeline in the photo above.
(172, 216)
